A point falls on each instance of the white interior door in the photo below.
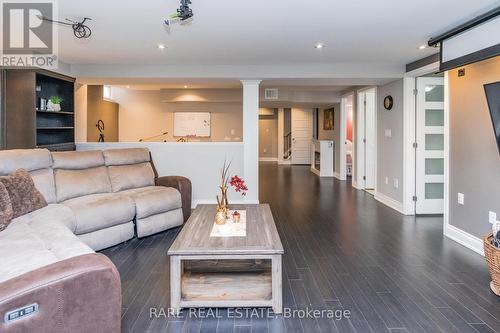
(302, 134)
(366, 140)
(370, 138)
(430, 146)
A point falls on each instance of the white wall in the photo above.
(268, 136)
(335, 136)
(390, 149)
(80, 112)
(474, 159)
(145, 113)
(198, 161)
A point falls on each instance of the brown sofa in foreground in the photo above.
(51, 279)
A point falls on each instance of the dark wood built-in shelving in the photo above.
(53, 128)
(55, 112)
(27, 126)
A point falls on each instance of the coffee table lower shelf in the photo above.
(226, 281)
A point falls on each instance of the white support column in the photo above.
(251, 138)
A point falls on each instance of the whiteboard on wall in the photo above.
(195, 124)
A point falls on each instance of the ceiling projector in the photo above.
(183, 13)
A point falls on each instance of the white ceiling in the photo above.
(258, 32)
(157, 83)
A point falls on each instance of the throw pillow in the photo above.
(23, 194)
(5, 207)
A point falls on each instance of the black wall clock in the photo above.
(388, 101)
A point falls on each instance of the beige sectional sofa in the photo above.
(96, 199)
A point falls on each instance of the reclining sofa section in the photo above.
(96, 199)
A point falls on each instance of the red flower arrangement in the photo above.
(239, 185)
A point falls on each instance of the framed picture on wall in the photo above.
(328, 119)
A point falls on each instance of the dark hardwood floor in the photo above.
(343, 251)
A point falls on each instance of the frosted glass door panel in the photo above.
(430, 145)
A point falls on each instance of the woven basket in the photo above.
(492, 255)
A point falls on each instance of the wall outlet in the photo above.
(265, 150)
(396, 183)
(492, 217)
(233, 131)
(461, 198)
(388, 133)
(386, 180)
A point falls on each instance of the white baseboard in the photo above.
(464, 238)
(337, 175)
(355, 185)
(195, 203)
(268, 159)
(390, 202)
(285, 162)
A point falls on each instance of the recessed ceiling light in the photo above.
(319, 46)
(185, 87)
(161, 46)
(128, 87)
(422, 47)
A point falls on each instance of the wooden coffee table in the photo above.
(227, 271)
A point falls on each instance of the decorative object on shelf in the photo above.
(183, 13)
(388, 102)
(328, 122)
(80, 30)
(43, 104)
(100, 128)
(236, 217)
(54, 103)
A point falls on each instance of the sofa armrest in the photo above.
(183, 185)
(80, 294)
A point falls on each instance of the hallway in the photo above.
(343, 251)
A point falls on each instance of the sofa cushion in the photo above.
(44, 182)
(126, 156)
(5, 207)
(159, 222)
(24, 196)
(153, 200)
(38, 162)
(29, 159)
(38, 239)
(104, 238)
(99, 211)
(53, 213)
(77, 160)
(76, 183)
(59, 239)
(22, 251)
(124, 177)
